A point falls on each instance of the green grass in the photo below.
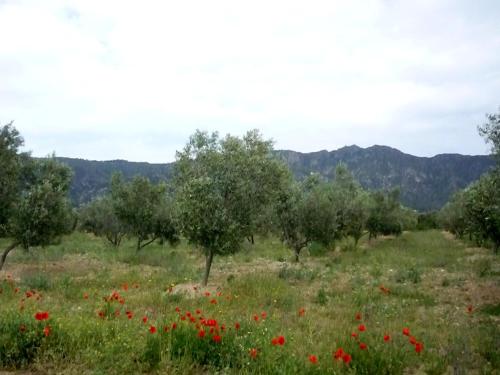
(421, 280)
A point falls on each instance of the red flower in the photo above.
(346, 358)
(165, 329)
(177, 309)
(339, 353)
(174, 326)
(419, 347)
(302, 311)
(46, 331)
(219, 294)
(217, 338)
(256, 318)
(101, 314)
(361, 328)
(198, 311)
(152, 329)
(358, 316)
(387, 338)
(406, 331)
(263, 314)
(354, 335)
(236, 326)
(253, 353)
(44, 315)
(85, 296)
(413, 340)
(144, 319)
(213, 301)
(117, 313)
(469, 309)
(207, 294)
(280, 340)
(313, 359)
(362, 346)
(130, 314)
(201, 334)
(29, 294)
(384, 290)
(125, 286)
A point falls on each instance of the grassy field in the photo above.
(345, 311)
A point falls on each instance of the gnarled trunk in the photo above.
(6, 252)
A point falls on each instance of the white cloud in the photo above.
(311, 75)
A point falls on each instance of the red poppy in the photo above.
(213, 301)
(144, 319)
(302, 311)
(419, 347)
(117, 313)
(177, 309)
(101, 314)
(165, 329)
(236, 326)
(192, 320)
(201, 334)
(387, 338)
(339, 353)
(361, 328)
(217, 338)
(125, 286)
(85, 296)
(263, 314)
(346, 358)
(358, 316)
(406, 331)
(313, 359)
(174, 326)
(44, 315)
(362, 346)
(219, 294)
(256, 318)
(469, 309)
(29, 294)
(413, 340)
(152, 329)
(280, 340)
(130, 314)
(46, 331)
(207, 294)
(354, 335)
(253, 353)
(198, 311)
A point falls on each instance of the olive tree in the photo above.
(99, 218)
(144, 209)
(221, 187)
(42, 211)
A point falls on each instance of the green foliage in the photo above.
(144, 209)
(491, 133)
(10, 169)
(385, 212)
(99, 217)
(222, 186)
(428, 220)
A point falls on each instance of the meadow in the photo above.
(422, 302)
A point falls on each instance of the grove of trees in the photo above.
(225, 191)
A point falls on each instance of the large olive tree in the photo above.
(40, 211)
(221, 187)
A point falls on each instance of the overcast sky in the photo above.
(105, 79)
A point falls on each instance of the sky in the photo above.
(106, 79)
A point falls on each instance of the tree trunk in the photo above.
(208, 264)
(138, 244)
(252, 240)
(6, 252)
(297, 252)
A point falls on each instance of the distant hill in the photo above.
(425, 183)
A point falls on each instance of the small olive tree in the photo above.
(144, 209)
(99, 217)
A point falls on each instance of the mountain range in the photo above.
(426, 183)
